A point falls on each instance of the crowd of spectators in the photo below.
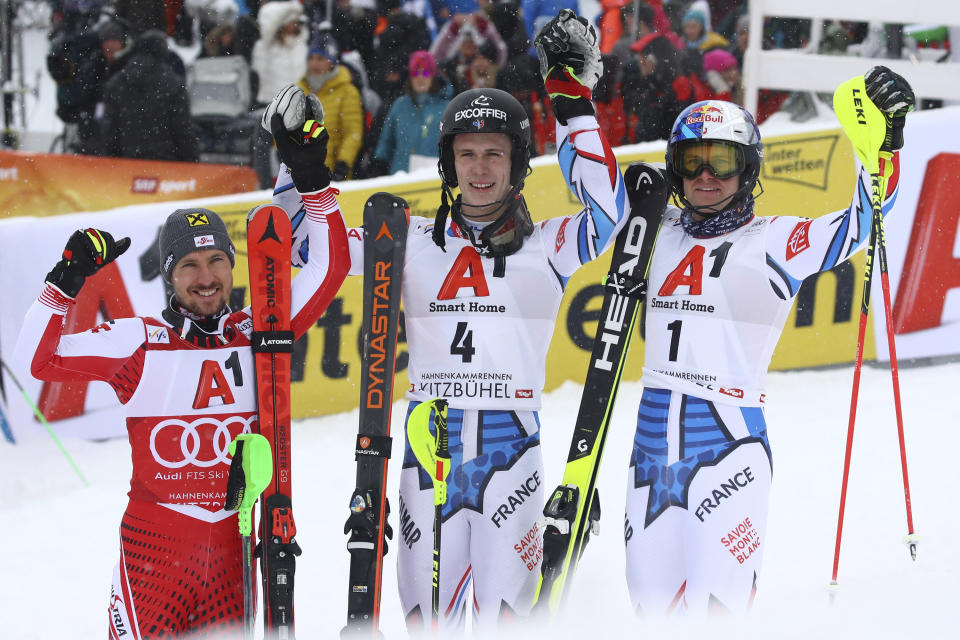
(384, 70)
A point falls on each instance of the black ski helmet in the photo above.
(485, 111)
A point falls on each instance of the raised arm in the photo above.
(570, 64)
(797, 248)
(91, 355)
(800, 247)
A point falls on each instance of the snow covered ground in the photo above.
(61, 538)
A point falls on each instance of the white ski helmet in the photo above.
(724, 122)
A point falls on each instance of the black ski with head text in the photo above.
(574, 505)
(268, 255)
(385, 220)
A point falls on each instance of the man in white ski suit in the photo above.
(481, 295)
(720, 286)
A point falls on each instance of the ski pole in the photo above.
(433, 453)
(250, 472)
(5, 427)
(911, 538)
(865, 125)
(46, 425)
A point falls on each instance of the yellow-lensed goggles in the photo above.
(723, 159)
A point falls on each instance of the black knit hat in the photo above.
(188, 230)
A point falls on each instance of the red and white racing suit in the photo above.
(187, 392)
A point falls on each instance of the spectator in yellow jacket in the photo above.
(342, 108)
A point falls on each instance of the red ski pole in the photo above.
(865, 125)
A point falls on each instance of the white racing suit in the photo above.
(699, 478)
(479, 338)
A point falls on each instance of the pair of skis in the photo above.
(268, 244)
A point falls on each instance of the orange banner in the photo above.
(40, 184)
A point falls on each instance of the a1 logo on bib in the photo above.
(466, 273)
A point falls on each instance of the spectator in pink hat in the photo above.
(411, 131)
(721, 72)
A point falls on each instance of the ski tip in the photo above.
(277, 210)
(261, 207)
(385, 197)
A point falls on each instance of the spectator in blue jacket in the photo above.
(412, 127)
(533, 9)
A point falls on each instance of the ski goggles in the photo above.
(723, 159)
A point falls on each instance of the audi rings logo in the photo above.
(195, 449)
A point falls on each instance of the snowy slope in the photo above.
(62, 538)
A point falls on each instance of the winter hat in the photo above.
(112, 30)
(424, 63)
(324, 44)
(718, 60)
(186, 231)
(696, 15)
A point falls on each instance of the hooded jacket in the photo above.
(278, 61)
(146, 106)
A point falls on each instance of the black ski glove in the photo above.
(87, 251)
(305, 155)
(892, 94)
(340, 171)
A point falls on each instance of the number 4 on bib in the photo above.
(574, 507)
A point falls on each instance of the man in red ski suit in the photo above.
(186, 380)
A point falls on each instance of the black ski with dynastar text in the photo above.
(385, 220)
(574, 506)
(268, 254)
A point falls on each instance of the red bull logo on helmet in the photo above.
(705, 113)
